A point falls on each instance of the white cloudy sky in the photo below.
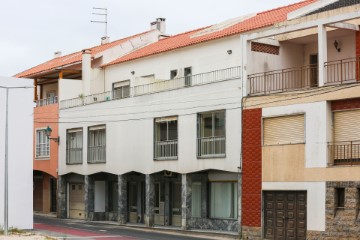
(32, 30)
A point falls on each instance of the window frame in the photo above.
(234, 201)
(81, 129)
(101, 127)
(120, 89)
(42, 157)
(155, 128)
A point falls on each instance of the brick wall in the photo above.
(345, 104)
(251, 164)
(265, 48)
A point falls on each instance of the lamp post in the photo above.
(6, 170)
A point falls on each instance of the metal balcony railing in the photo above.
(283, 80)
(96, 154)
(46, 101)
(154, 87)
(42, 150)
(342, 71)
(344, 153)
(166, 150)
(74, 155)
(211, 147)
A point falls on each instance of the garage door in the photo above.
(76, 201)
(285, 215)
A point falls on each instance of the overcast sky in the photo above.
(32, 30)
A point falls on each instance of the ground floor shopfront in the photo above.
(206, 200)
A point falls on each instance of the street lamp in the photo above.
(48, 131)
(6, 168)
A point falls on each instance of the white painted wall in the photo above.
(69, 89)
(130, 122)
(20, 152)
(317, 129)
(99, 196)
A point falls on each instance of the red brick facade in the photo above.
(345, 104)
(251, 168)
(265, 48)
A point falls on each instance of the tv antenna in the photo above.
(101, 12)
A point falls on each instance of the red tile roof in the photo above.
(72, 58)
(260, 20)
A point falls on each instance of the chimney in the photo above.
(159, 24)
(86, 71)
(105, 40)
(57, 54)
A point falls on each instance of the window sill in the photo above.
(74, 163)
(166, 159)
(40, 158)
(96, 162)
(220, 156)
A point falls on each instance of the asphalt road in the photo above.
(76, 229)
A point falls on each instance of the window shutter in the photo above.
(121, 84)
(347, 126)
(284, 130)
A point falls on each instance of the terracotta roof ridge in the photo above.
(286, 6)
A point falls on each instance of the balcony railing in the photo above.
(166, 150)
(344, 153)
(74, 155)
(46, 101)
(97, 154)
(158, 86)
(283, 80)
(342, 71)
(211, 147)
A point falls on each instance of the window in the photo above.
(223, 200)
(284, 130)
(74, 146)
(121, 89)
(173, 74)
(42, 144)
(166, 138)
(188, 78)
(211, 134)
(196, 199)
(97, 144)
(340, 198)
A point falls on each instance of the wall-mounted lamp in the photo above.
(337, 46)
(132, 72)
(48, 131)
(229, 52)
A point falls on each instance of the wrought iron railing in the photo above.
(283, 80)
(344, 153)
(74, 155)
(342, 71)
(42, 150)
(46, 101)
(166, 150)
(211, 147)
(96, 154)
(158, 86)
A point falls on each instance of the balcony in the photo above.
(344, 153)
(166, 150)
(337, 72)
(46, 101)
(211, 147)
(156, 86)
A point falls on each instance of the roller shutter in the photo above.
(347, 126)
(284, 130)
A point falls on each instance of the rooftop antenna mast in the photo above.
(102, 12)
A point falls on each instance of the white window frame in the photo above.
(47, 145)
(68, 148)
(96, 128)
(120, 89)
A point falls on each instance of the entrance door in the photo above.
(176, 205)
(53, 191)
(76, 201)
(285, 215)
(133, 196)
(159, 209)
(313, 70)
(38, 194)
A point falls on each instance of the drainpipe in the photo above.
(86, 71)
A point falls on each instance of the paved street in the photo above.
(76, 229)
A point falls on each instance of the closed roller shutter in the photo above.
(284, 130)
(347, 126)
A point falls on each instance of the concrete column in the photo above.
(185, 200)
(62, 198)
(150, 200)
(89, 198)
(168, 207)
(139, 201)
(122, 199)
(204, 197)
(322, 53)
(86, 71)
(245, 48)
